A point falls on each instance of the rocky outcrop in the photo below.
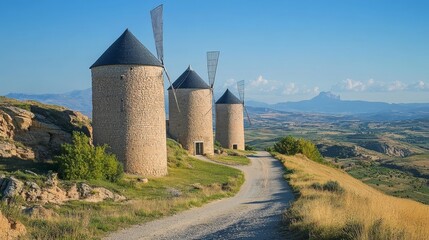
(37, 133)
(10, 229)
(52, 192)
(386, 148)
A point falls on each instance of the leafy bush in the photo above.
(249, 148)
(291, 146)
(217, 145)
(331, 186)
(81, 160)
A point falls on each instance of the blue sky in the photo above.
(375, 50)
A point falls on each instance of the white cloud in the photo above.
(350, 85)
(290, 89)
(262, 86)
(396, 86)
(259, 81)
(420, 86)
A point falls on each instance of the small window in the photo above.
(234, 146)
(122, 77)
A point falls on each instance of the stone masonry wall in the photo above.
(129, 116)
(230, 125)
(194, 122)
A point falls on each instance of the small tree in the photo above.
(287, 145)
(81, 160)
(291, 146)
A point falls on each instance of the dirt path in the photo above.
(254, 213)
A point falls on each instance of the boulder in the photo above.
(32, 193)
(73, 193)
(38, 211)
(13, 187)
(10, 229)
(143, 180)
(85, 190)
(98, 194)
(52, 179)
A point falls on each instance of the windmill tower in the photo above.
(128, 106)
(229, 121)
(192, 126)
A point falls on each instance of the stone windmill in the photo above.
(192, 125)
(229, 121)
(128, 106)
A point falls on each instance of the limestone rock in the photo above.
(98, 194)
(10, 229)
(33, 192)
(85, 190)
(38, 211)
(143, 180)
(13, 187)
(38, 133)
(53, 195)
(52, 179)
(22, 118)
(73, 193)
(6, 125)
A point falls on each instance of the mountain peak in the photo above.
(327, 96)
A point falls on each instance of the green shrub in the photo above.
(291, 146)
(81, 160)
(249, 148)
(217, 145)
(331, 186)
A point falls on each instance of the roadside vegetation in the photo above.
(81, 160)
(231, 156)
(190, 183)
(333, 205)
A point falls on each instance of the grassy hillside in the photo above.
(350, 210)
(190, 183)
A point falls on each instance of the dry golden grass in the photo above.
(359, 212)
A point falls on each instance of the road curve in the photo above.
(253, 213)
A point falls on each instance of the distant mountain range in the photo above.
(325, 102)
(79, 100)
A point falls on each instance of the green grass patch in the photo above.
(232, 157)
(190, 183)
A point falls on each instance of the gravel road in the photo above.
(254, 213)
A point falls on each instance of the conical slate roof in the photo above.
(228, 98)
(127, 49)
(190, 79)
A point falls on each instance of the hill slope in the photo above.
(349, 209)
(78, 100)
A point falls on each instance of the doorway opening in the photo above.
(199, 148)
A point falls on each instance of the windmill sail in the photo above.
(158, 34)
(240, 87)
(212, 61)
(157, 26)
